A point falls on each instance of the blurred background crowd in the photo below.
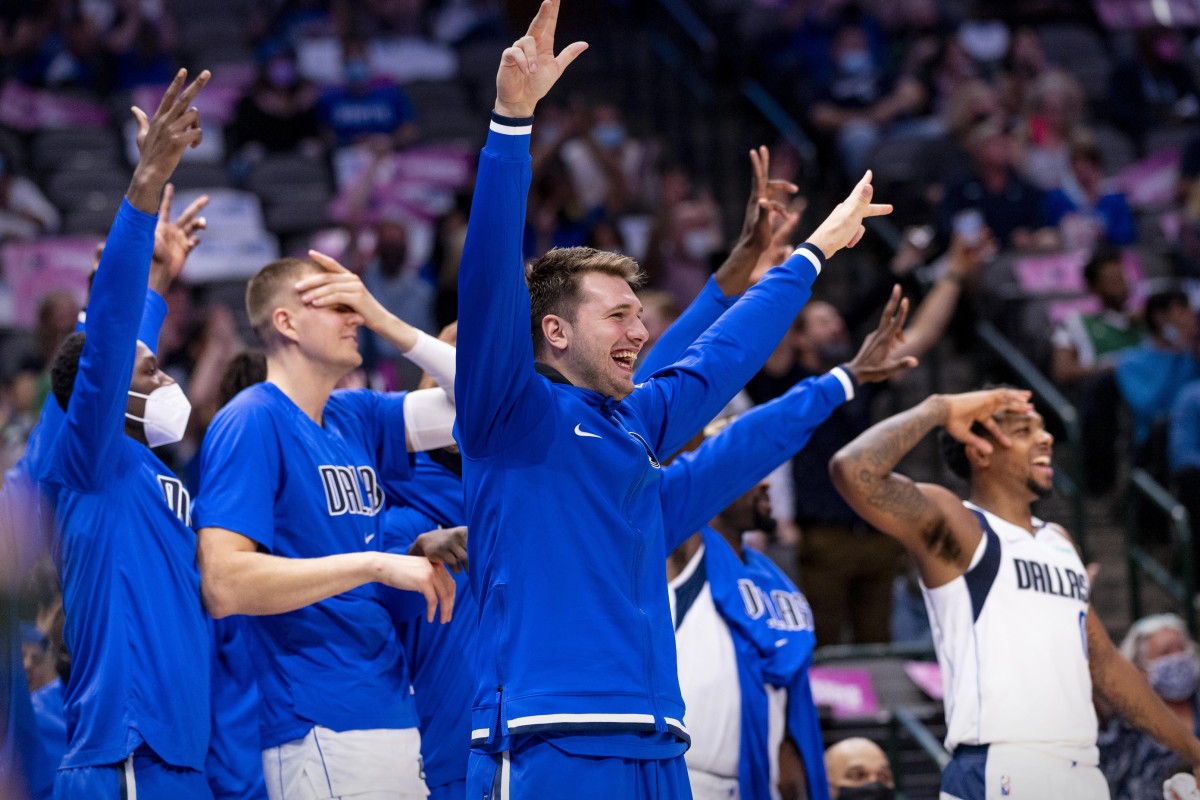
(1043, 157)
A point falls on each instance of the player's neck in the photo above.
(307, 387)
(678, 560)
(1003, 504)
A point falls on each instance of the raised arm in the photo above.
(85, 449)
(1119, 682)
(929, 520)
(765, 214)
(679, 400)
(699, 485)
(496, 378)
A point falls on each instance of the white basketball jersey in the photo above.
(1011, 638)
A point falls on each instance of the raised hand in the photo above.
(766, 210)
(529, 68)
(338, 286)
(874, 361)
(447, 546)
(960, 412)
(163, 138)
(174, 240)
(844, 225)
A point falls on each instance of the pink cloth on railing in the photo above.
(25, 109)
(849, 692)
(34, 269)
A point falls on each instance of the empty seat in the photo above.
(74, 189)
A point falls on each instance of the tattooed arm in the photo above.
(927, 519)
(1121, 683)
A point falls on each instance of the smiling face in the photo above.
(1026, 466)
(600, 343)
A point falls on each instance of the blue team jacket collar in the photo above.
(587, 395)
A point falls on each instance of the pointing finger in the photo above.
(168, 98)
(164, 206)
(569, 54)
(325, 261)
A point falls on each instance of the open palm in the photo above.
(529, 68)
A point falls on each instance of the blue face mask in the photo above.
(609, 135)
(855, 62)
(1174, 678)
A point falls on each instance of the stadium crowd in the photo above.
(1042, 161)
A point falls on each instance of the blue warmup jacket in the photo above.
(123, 542)
(440, 657)
(564, 486)
(773, 639)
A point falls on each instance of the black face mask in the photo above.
(868, 791)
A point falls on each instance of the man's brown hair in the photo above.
(553, 281)
(263, 292)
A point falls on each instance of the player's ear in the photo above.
(284, 323)
(976, 458)
(557, 331)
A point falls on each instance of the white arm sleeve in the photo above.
(429, 419)
(437, 358)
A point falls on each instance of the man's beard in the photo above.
(1042, 492)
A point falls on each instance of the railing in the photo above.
(1070, 481)
(904, 721)
(1181, 590)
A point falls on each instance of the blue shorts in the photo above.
(538, 769)
(143, 775)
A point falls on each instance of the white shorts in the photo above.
(380, 764)
(706, 786)
(1011, 772)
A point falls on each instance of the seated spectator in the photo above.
(861, 101)
(1052, 117)
(1151, 375)
(1134, 764)
(1086, 348)
(686, 233)
(1010, 207)
(1023, 66)
(141, 41)
(1154, 89)
(25, 213)
(363, 111)
(858, 768)
(947, 158)
(279, 111)
(1183, 441)
(1085, 213)
(611, 170)
(394, 277)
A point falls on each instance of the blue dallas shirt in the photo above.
(564, 497)
(440, 656)
(301, 490)
(124, 549)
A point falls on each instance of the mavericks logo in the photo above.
(786, 611)
(177, 497)
(351, 490)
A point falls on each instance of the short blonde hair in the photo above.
(264, 289)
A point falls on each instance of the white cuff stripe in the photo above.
(845, 381)
(511, 130)
(802, 251)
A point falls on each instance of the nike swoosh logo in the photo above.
(579, 432)
(369, 538)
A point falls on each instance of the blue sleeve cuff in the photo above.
(714, 290)
(847, 380)
(508, 137)
(813, 254)
(135, 217)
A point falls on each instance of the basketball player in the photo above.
(1020, 647)
(124, 547)
(289, 533)
(577, 691)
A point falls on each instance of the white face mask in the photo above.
(167, 413)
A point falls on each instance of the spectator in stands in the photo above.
(1024, 65)
(141, 41)
(685, 235)
(396, 280)
(25, 213)
(20, 402)
(861, 101)
(610, 169)
(947, 158)
(363, 111)
(1134, 764)
(1010, 207)
(659, 312)
(557, 216)
(278, 114)
(1052, 116)
(846, 567)
(1084, 212)
(1151, 375)
(858, 769)
(1183, 447)
(1154, 89)
(1086, 349)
